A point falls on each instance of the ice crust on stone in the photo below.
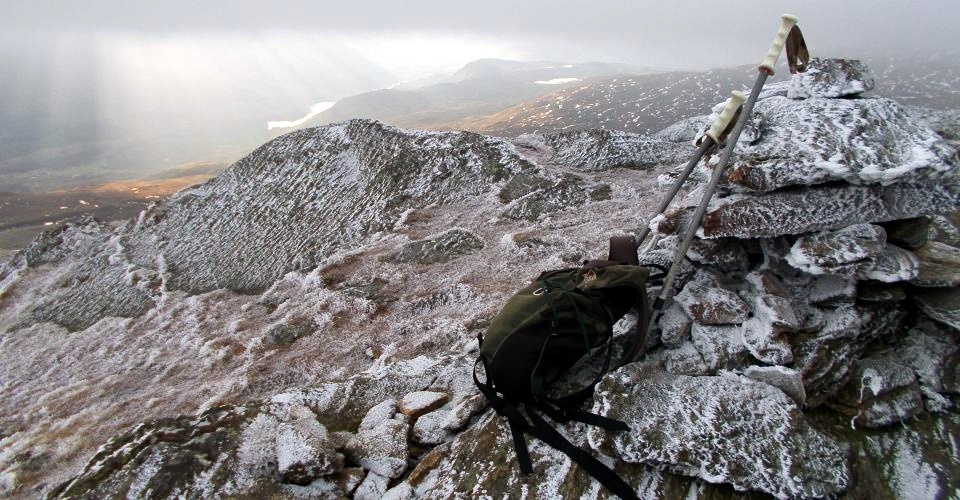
(843, 251)
(672, 418)
(817, 208)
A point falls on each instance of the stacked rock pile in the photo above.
(826, 266)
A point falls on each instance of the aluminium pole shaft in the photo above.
(766, 68)
(718, 171)
(714, 135)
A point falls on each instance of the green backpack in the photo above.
(546, 328)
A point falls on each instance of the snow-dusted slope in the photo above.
(305, 261)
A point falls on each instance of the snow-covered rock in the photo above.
(843, 251)
(421, 402)
(817, 208)
(429, 428)
(882, 391)
(893, 265)
(303, 451)
(706, 301)
(831, 78)
(786, 379)
(859, 141)
(679, 422)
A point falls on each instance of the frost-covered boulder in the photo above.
(429, 429)
(786, 379)
(842, 251)
(939, 265)
(382, 449)
(722, 347)
(882, 391)
(419, 403)
(567, 191)
(893, 265)
(831, 78)
(725, 429)
(675, 326)
(373, 487)
(726, 254)
(861, 141)
(303, 449)
(706, 301)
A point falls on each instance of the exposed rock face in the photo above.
(675, 419)
(442, 248)
(607, 149)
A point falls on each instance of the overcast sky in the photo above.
(690, 33)
(83, 80)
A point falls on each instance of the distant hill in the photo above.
(635, 103)
(480, 88)
(649, 103)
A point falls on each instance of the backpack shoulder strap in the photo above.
(623, 249)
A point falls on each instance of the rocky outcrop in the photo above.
(441, 248)
(831, 200)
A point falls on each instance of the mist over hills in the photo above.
(479, 88)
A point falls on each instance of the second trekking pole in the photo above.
(787, 22)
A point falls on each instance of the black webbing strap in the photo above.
(603, 474)
(504, 408)
(543, 431)
(561, 415)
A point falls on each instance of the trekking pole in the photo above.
(766, 68)
(714, 136)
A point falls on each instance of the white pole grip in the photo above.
(720, 124)
(787, 23)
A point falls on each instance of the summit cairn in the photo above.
(823, 242)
